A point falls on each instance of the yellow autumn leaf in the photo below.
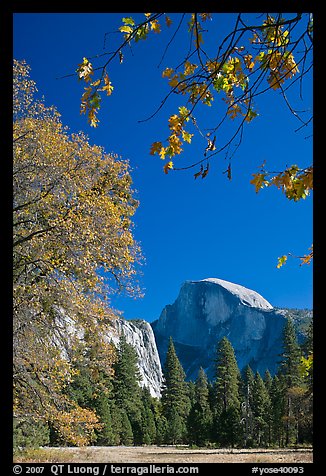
(259, 181)
(107, 85)
(168, 166)
(175, 144)
(162, 152)
(174, 81)
(281, 260)
(189, 68)
(155, 26)
(126, 29)
(85, 70)
(249, 61)
(186, 136)
(175, 124)
(96, 83)
(167, 72)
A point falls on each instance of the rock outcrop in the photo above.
(140, 335)
(207, 310)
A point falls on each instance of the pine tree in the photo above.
(91, 389)
(176, 428)
(229, 428)
(126, 434)
(277, 395)
(227, 394)
(127, 392)
(307, 371)
(227, 376)
(290, 372)
(290, 366)
(175, 399)
(268, 381)
(200, 416)
(30, 432)
(246, 391)
(105, 435)
(260, 406)
(148, 426)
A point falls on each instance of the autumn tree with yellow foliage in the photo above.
(73, 245)
(262, 53)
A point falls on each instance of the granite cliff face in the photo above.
(140, 335)
(207, 310)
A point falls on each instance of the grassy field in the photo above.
(162, 454)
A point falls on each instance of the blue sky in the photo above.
(188, 229)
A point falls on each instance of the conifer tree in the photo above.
(148, 426)
(176, 428)
(126, 434)
(127, 392)
(291, 356)
(268, 381)
(200, 416)
(227, 420)
(278, 406)
(229, 428)
(291, 375)
(227, 377)
(307, 371)
(175, 399)
(246, 390)
(260, 406)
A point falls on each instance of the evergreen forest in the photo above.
(236, 409)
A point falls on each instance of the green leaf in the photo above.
(128, 21)
(126, 29)
(183, 112)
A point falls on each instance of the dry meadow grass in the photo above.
(163, 454)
